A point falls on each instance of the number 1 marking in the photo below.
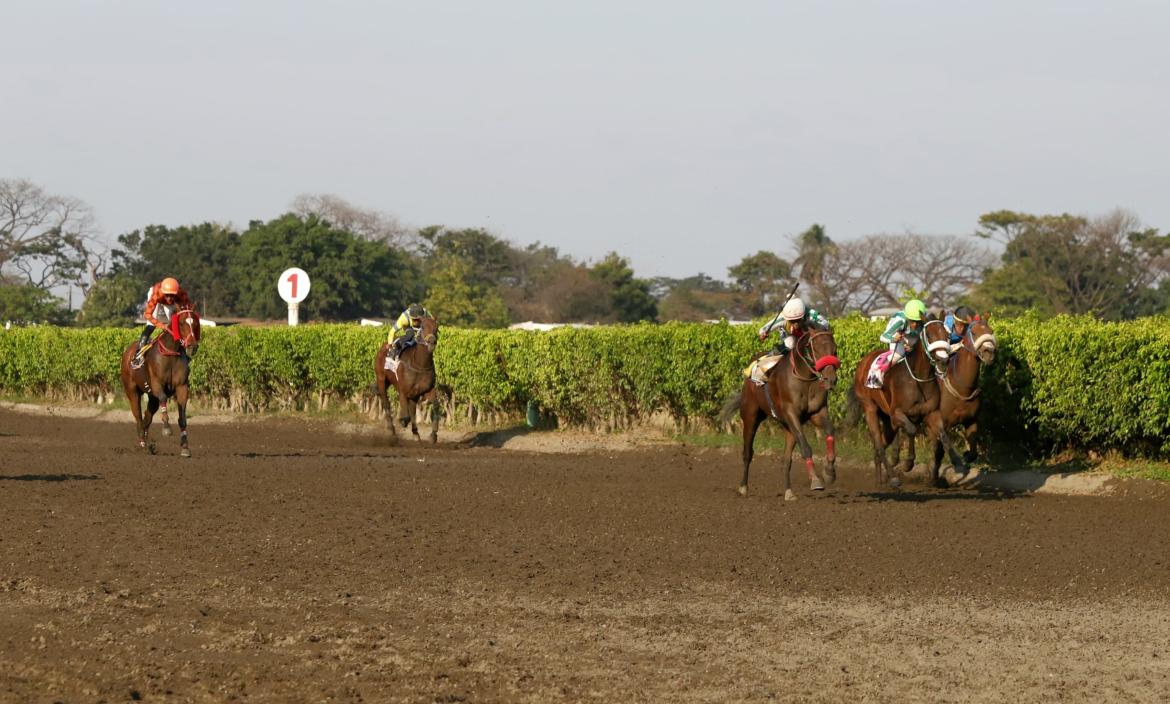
(292, 279)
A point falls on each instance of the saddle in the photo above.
(758, 370)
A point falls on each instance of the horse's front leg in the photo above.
(433, 406)
(166, 421)
(935, 423)
(414, 419)
(135, 399)
(405, 408)
(822, 420)
(877, 435)
(969, 432)
(181, 396)
(152, 405)
(797, 429)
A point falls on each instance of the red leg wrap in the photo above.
(830, 447)
(808, 464)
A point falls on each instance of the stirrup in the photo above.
(137, 360)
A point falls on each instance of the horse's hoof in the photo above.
(184, 452)
(816, 484)
(167, 431)
(742, 490)
(789, 495)
(142, 444)
(152, 449)
(895, 483)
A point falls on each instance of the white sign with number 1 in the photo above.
(293, 286)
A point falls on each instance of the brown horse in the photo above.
(960, 401)
(909, 396)
(414, 379)
(163, 374)
(795, 392)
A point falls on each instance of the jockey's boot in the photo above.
(136, 360)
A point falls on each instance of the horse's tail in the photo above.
(731, 406)
(854, 408)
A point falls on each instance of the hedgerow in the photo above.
(1056, 383)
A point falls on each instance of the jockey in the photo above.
(797, 321)
(166, 299)
(403, 331)
(904, 330)
(956, 325)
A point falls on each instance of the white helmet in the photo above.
(793, 309)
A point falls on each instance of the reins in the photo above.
(925, 351)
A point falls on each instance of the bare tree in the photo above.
(374, 225)
(49, 239)
(880, 270)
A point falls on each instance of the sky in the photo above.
(684, 135)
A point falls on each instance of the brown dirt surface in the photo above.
(290, 562)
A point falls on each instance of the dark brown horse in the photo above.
(796, 392)
(414, 379)
(163, 375)
(959, 405)
(909, 397)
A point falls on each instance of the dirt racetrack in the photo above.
(286, 562)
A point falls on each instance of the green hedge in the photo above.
(1062, 382)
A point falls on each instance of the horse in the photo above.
(960, 401)
(909, 396)
(413, 377)
(163, 374)
(793, 396)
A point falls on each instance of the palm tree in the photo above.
(813, 246)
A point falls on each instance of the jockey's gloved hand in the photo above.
(789, 342)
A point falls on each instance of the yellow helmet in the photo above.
(915, 309)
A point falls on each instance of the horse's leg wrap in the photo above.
(830, 447)
(808, 465)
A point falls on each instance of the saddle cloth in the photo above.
(391, 364)
(877, 370)
(758, 370)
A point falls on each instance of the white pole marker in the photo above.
(293, 286)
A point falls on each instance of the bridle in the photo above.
(806, 354)
(929, 349)
(184, 342)
(970, 344)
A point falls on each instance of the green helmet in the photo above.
(915, 309)
(415, 310)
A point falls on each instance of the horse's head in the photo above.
(981, 340)
(428, 333)
(824, 361)
(936, 343)
(186, 330)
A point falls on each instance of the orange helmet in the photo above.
(169, 286)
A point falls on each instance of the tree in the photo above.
(351, 276)
(765, 277)
(881, 271)
(629, 297)
(114, 300)
(25, 303)
(490, 258)
(49, 239)
(199, 256)
(457, 299)
(699, 297)
(373, 225)
(813, 246)
(1074, 264)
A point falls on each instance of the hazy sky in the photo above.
(682, 134)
